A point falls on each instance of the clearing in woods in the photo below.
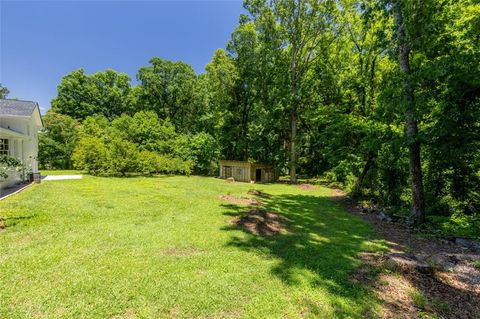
(180, 247)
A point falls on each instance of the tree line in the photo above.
(380, 97)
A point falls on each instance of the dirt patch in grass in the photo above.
(261, 222)
(388, 285)
(181, 252)
(418, 277)
(410, 293)
(307, 187)
(3, 223)
(128, 314)
(244, 201)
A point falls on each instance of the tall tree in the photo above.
(222, 80)
(411, 124)
(168, 88)
(244, 47)
(447, 52)
(103, 93)
(304, 24)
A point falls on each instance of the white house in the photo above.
(20, 122)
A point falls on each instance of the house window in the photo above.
(3, 146)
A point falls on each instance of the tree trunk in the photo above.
(372, 86)
(418, 200)
(366, 168)
(293, 154)
(293, 115)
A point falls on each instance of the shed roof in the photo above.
(244, 163)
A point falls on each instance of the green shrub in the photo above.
(150, 163)
(459, 225)
(201, 149)
(122, 157)
(91, 155)
(57, 141)
(146, 131)
(7, 162)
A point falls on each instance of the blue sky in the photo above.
(43, 40)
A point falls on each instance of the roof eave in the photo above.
(9, 132)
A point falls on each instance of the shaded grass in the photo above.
(163, 247)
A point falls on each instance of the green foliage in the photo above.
(90, 155)
(3, 91)
(8, 162)
(329, 67)
(201, 149)
(168, 89)
(94, 126)
(57, 141)
(141, 143)
(122, 156)
(149, 163)
(81, 95)
(459, 224)
(146, 130)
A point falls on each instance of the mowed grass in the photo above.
(164, 247)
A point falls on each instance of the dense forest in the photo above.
(379, 97)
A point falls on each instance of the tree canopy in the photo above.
(379, 97)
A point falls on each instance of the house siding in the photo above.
(22, 135)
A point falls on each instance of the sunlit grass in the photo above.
(164, 247)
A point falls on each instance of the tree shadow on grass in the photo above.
(319, 250)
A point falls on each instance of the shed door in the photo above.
(258, 175)
(228, 171)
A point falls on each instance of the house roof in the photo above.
(16, 107)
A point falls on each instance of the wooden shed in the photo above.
(244, 171)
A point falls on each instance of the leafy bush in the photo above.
(145, 130)
(201, 149)
(57, 141)
(7, 162)
(456, 225)
(122, 157)
(150, 163)
(91, 155)
(118, 157)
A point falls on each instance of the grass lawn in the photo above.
(165, 247)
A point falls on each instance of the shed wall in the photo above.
(246, 171)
